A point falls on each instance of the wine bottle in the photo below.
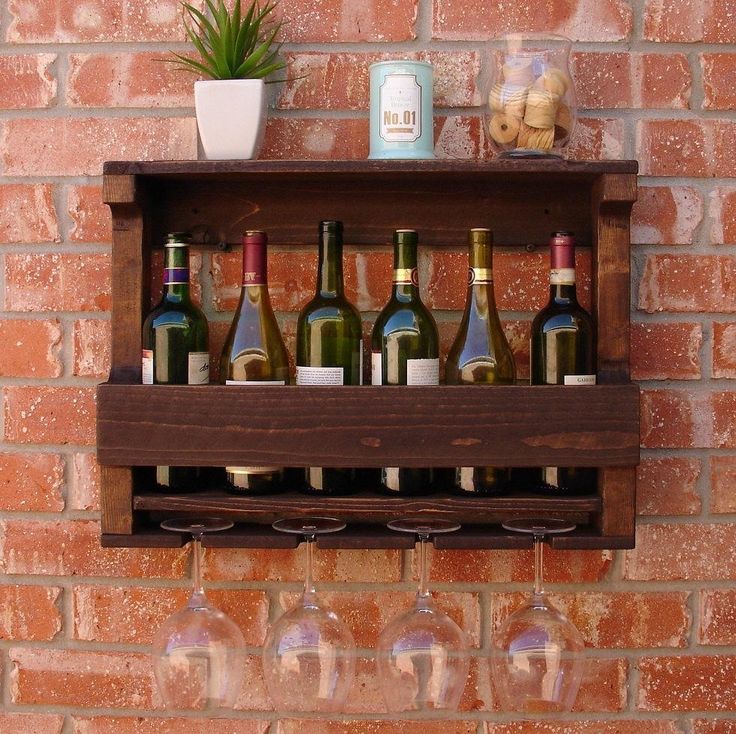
(329, 344)
(254, 354)
(405, 349)
(562, 352)
(175, 345)
(480, 354)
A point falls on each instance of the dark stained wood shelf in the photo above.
(522, 201)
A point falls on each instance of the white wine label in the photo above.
(562, 276)
(255, 382)
(580, 380)
(406, 276)
(319, 376)
(147, 365)
(376, 369)
(480, 276)
(400, 108)
(199, 368)
(422, 371)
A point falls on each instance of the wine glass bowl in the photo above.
(198, 652)
(309, 652)
(537, 656)
(421, 656)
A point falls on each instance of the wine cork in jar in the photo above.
(540, 138)
(555, 80)
(525, 132)
(504, 128)
(563, 122)
(514, 101)
(541, 109)
(518, 71)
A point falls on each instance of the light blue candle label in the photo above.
(400, 108)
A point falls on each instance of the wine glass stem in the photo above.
(423, 592)
(198, 588)
(538, 564)
(309, 588)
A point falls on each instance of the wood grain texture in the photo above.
(116, 499)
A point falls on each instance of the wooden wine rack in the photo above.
(522, 201)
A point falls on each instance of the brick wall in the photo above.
(80, 82)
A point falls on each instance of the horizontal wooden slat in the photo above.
(368, 426)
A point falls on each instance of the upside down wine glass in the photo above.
(198, 653)
(537, 661)
(309, 653)
(422, 655)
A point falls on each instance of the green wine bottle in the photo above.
(329, 344)
(254, 354)
(175, 346)
(562, 352)
(480, 354)
(405, 349)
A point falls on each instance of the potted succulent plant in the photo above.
(237, 51)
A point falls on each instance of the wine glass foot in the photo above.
(197, 526)
(539, 526)
(423, 526)
(309, 526)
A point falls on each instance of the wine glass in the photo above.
(309, 653)
(422, 657)
(537, 661)
(198, 653)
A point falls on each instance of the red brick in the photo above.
(31, 723)
(723, 406)
(72, 548)
(29, 613)
(666, 215)
(717, 617)
(27, 81)
(669, 351)
(626, 80)
(618, 726)
(84, 483)
(316, 139)
(668, 419)
(723, 212)
(681, 552)
(27, 213)
(723, 484)
(461, 137)
(81, 679)
(502, 566)
(688, 284)
(158, 725)
(253, 695)
(92, 342)
(50, 282)
(714, 726)
(50, 415)
(91, 220)
(724, 350)
(31, 482)
(604, 686)
(368, 277)
(320, 21)
(687, 683)
(695, 148)
(427, 726)
(66, 146)
(718, 85)
(597, 139)
(683, 21)
(340, 566)
(668, 486)
(132, 614)
(145, 79)
(614, 619)
(66, 21)
(608, 20)
(30, 348)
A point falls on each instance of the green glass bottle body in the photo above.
(405, 350)
(329, 344)
(480, 354)
(176, 346)
(562, 352)
(254, 354)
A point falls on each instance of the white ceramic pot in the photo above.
(231, 117)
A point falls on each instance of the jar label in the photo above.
(480, 276)
(423, 371)
(319, 376)
(199, 368)
(580, 380)
(400, 108)
(147, 366)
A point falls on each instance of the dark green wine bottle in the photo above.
(405, 349)
(480, 354)
(254, 354)
(329, 344)
(175, 346)
(562, 352)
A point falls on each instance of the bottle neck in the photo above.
(254, 265)
(480, 275)
(330, 277)
(562, 286)
(176, 273)
(406, 276)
